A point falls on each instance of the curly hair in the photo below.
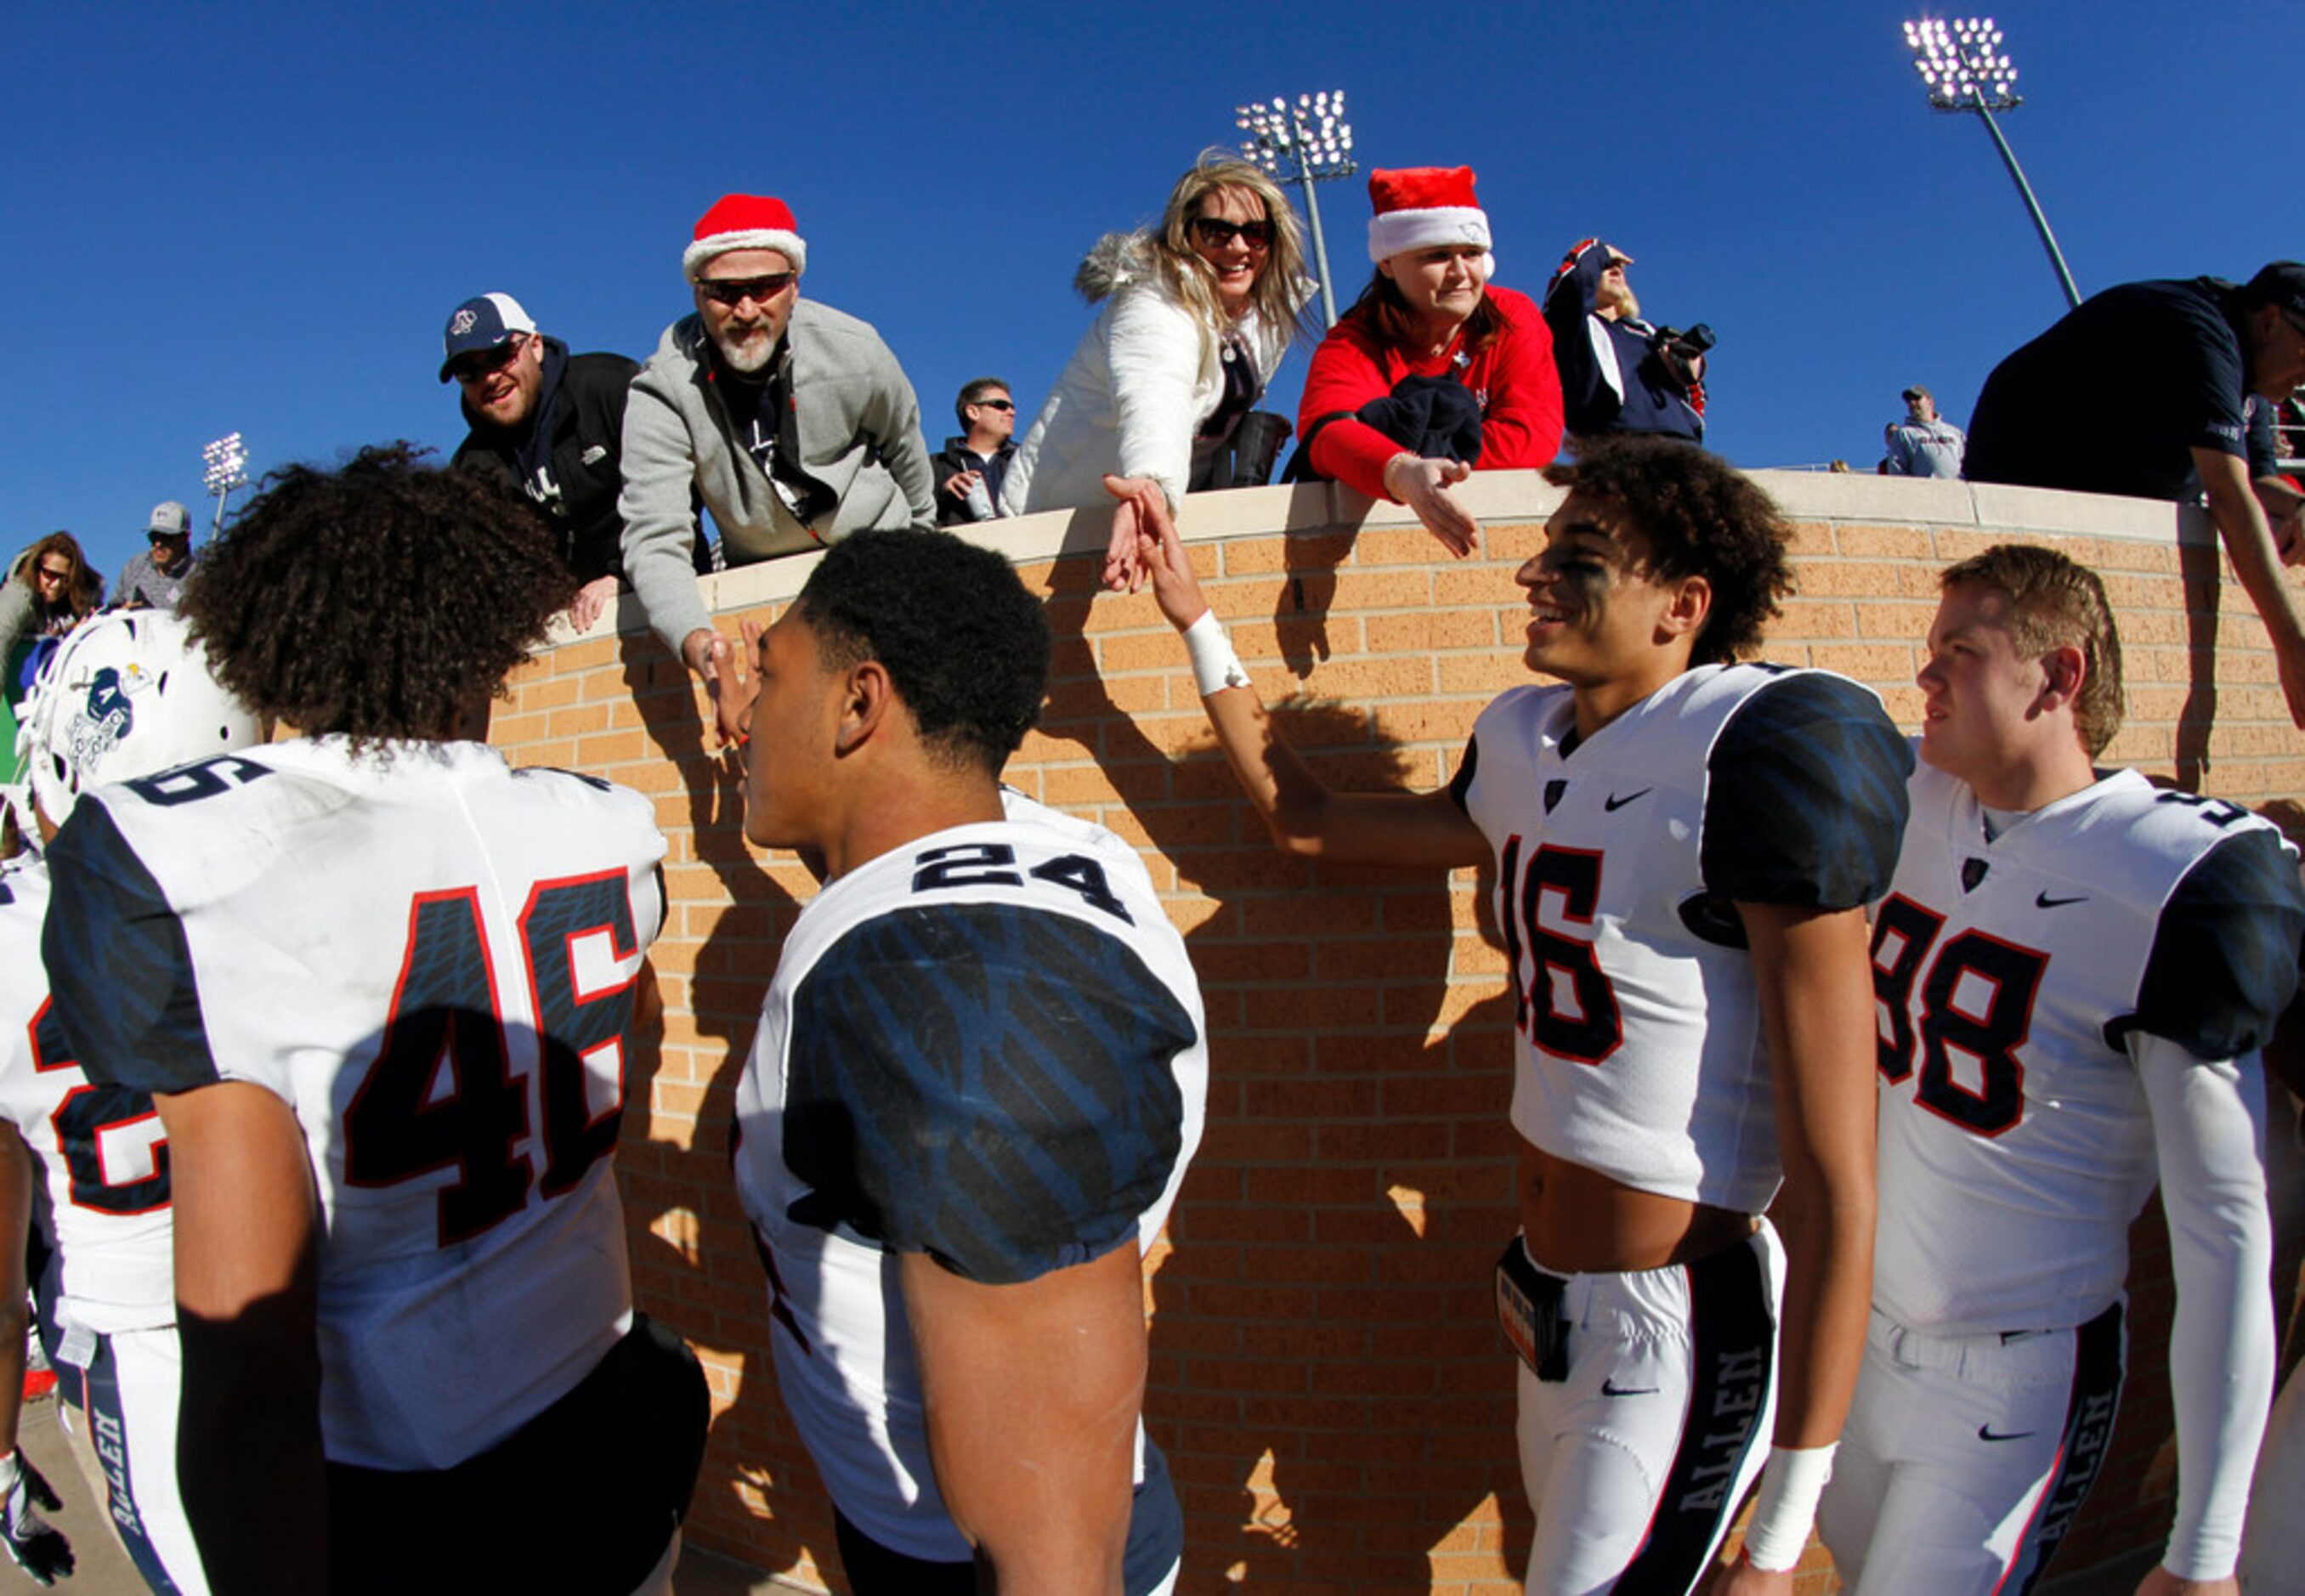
(965, 646)
(2055, 601)
(379, 600)
(1702, 517)
(1276, 295)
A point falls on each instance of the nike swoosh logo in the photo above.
(1984, 1433)
(1608, 1387)
(2044, 900)
(1612, 803)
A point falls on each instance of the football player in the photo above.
(978, 1077)
(1683, 846)
(125, 696)
(2075, 970)
(379, 985)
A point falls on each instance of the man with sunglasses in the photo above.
(554, 423)
(791, 422)
(971, 468)
(2142, 390)
(155, 579)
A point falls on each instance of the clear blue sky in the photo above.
(257, 217)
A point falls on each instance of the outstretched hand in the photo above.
(590, 600)
(1159, 554)
(714, 658)
(1424, 485)
(1124, 566)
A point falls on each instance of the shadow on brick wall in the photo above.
(756, 1491)
(1326, 1377)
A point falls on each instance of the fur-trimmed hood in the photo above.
(1112, 263)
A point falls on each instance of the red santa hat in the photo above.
(744, 222)
(1419, 206)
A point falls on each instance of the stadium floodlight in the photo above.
(1961, 65)
(227, 468)
(1307, 143)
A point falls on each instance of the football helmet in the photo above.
(126, 694)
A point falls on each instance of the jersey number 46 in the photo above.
(448, 1027)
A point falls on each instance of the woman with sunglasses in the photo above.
(1433, 371)
(50, 589)
(1199, 311)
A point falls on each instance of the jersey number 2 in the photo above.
(1977, 998)
(92, 1121)
(446, 1030)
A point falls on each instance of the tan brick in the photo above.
(1866, 662)
(1815, 619)
(1430, 631)
(1891, 542)
(1809, 539)
(1859, 579)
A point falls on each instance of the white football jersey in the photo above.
(1619, 860)
(102, 1172)
(2016, 1147)
(988, 1046)
(430, 958)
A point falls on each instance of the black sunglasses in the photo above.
(480, 364)
(1009, 404)
(735, 291)
(1216, 232)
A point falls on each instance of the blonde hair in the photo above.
(1277, 296)
(2055, 601)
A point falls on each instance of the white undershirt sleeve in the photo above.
(2209, 1133)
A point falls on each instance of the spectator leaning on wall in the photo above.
(552, 421)
(791, 420)
(2141, 390)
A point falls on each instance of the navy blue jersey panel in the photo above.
(1460, 785)
(2225, 957)
(118, 963)
(987, 1084)
(1805, 798)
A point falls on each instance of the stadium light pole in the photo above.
(1960, 63)
(1305, 143)
(227, 468)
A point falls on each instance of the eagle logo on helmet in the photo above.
(107, 716)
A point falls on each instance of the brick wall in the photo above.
(1324, 1379)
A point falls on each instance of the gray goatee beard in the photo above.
(749, 355)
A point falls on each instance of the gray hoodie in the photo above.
(856, 428)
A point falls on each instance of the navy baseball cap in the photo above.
(2283, 284)
(488, 322)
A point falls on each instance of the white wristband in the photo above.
(1215, 666)
(1784, 1509)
